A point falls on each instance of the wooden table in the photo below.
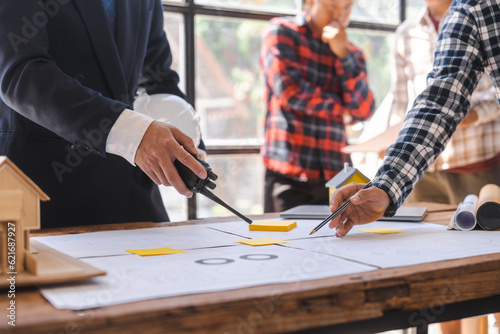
(385, 299)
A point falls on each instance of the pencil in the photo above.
(338, 211)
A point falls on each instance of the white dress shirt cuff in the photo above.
(126, 134)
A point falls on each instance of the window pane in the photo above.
(260, 5)
(376, 47)
(175, 203)
(414, 7)
(174, 28)
(240, 184)
(378, 11)
(229, 90)
(229, 83)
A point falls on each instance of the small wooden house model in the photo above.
(19, 213)
(345, 176)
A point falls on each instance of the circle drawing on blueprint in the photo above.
(463, 242)
(214, 261)
(259, 257)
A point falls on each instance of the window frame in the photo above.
(189, 9)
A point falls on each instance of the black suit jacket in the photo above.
(65, 79)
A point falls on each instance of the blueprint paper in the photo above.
(260, 241)
(207, 268)
(116, 242)
(423, 243)
(380, 230)
(133, 278)
(304, 227)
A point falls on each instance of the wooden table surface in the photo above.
(299, 306)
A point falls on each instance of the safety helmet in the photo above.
(172, 110)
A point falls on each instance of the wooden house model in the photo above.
(19, 213)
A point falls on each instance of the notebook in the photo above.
(404, 213)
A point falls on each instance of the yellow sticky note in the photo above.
(381, 230)
(261, 241)
(282, 226)
(154, 251)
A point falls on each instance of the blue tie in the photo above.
(110, 9)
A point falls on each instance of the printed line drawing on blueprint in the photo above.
(421, 243)
(116, 242)
(132, 278)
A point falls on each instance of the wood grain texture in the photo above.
(51, 266)
(276, 308)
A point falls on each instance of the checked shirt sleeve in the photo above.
(356, 94)
(458, 65)
(281, 59)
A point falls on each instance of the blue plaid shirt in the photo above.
(469, 45)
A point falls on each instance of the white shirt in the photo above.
(126, 134)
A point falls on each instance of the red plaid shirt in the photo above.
(308, 91)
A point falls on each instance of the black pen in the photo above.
(339, 210)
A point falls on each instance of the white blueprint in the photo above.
(215, 262)
(133, 278)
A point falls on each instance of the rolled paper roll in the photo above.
(488, 210)
(465, 217)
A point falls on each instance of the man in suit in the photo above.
(69, 72)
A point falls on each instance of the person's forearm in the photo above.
(356, 93)
(437, 111)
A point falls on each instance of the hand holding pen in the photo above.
(366, 204)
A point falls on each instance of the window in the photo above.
(216, 46)
(257, 5)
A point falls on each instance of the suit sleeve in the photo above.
(157, 74)
(33, 85)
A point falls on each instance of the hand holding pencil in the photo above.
(367, 205)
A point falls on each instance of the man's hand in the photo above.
(336, 36)
(161, 145)
(366, 206)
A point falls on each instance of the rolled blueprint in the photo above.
(488, 208)
(464, 218)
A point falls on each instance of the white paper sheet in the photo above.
(422, 243)
(116, 242)
(133, 278)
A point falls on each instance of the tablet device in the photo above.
(404, 213)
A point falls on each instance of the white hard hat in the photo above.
(173, 110)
